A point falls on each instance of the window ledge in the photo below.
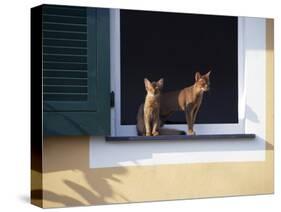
(181, 137)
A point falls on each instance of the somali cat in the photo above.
(148, 121)
(188, 100)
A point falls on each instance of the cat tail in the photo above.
(168, 131)
(140, 121)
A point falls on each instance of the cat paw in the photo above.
(155, 133)
(191, 132)
(147, 134)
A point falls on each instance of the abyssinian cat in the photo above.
(188, 100)
(148, 121)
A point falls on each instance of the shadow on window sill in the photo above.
(205, 137)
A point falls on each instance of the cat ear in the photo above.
(197, 76)
(147, 83)
(208, 74)
(160, 83)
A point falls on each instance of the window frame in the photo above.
(130, 130)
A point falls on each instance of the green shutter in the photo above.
(76, 90)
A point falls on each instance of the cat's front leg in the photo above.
(155, 133)
(147, 124)
(194, 115)
(155, 130)
(189, 120)
(156, 124)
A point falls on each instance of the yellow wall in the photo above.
(68, 180)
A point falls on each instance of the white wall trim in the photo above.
(130, 130)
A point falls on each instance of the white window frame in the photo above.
(130, 130)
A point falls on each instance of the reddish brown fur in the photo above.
(148, 121)
(188, 100)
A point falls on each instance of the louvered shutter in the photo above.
(69, 63)
(75, 76)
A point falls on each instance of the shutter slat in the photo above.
(61, 58)
(64, 81)
(64, 43)
(63, 97)
(66, 70)
(62, 27)
(70, 66)
(65, 89)
(65, 74)
(68, 74)
(65, 35)
(65, 20)
(65, 11)
(70, 51)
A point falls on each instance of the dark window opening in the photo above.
(174, 46)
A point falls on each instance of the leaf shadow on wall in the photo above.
(68, 179)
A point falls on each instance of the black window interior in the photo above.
(174, 46)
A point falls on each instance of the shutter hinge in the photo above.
(112, 99)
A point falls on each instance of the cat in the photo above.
(188, 100)
(148, 121)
